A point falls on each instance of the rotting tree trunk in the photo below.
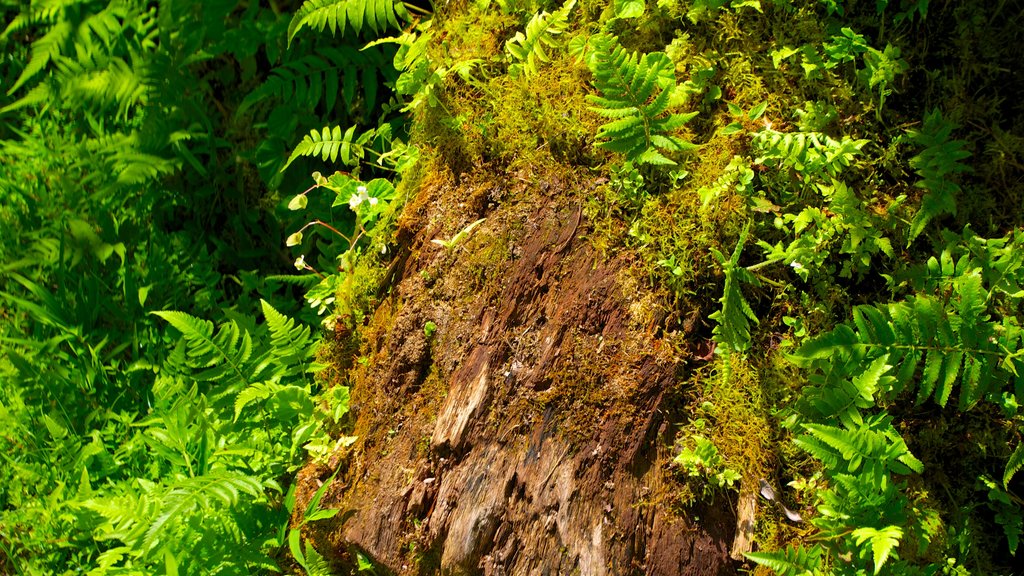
(532, 433)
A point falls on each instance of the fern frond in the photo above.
(199, 494)
(289, 340)
(957, 343)
(321, 77)
(330, 143)
(542, 32)
(793, 561)
(339, 15)
(883, 542)
(43, 51)
(936, 164)
(735, 316)
(223, 352)
(107, 83)
(254, 393)
(1013, 465)
(809, 153)
(635, 91)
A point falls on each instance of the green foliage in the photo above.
(542, 34)
(809, 153)
(703, 461)
(636, 91)
(129, 184)
(936, 164)
(340, 15)
(332, 143)
(320, 78)
(733, 319)
(843, 227)
(793, 561)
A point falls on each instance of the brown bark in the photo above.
(533, 434)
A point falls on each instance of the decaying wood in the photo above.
(532, 436)
(746, 509)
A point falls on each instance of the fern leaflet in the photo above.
(338, 15)
(542, 32)
(636, 92)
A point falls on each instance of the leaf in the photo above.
(735, 315)
(297, 203)
(542, 33)
(793, 561)
(1014, 464)
(635, 93)
(341, 15)
(883, 542)
(459, 237)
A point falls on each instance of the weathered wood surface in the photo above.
(532, 436)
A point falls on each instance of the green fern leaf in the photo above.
(254, 393)
(220, 353)
(340, 15)
(812, 154)
(1015, 463)
(541, 33)
(635, 91)
(332, 143)
(793, 561)
(735, 316)
(320, 78)
(43, 51)
(199, 494)
(936, 164)
(883, 542)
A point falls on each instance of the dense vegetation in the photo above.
(834, 186)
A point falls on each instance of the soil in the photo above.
(532, 432)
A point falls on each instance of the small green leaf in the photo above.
(757, 111)
(298, 203)
(733, 128)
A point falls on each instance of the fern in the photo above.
(956, 342)
(939, 161)
(542, 32)
(322, 77)
(43, 51)
(735, 316)
(809, 153)
(1013, 465)
(332, 143)
(636, 91)
(793, 561)
(339, 15)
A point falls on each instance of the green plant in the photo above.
(339, 15)
(810, 154)
(369, 202)
(541, 35)
(936, 164)
(636, 91)
(703, 461)
(732, 332)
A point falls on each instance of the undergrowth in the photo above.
(834, 187)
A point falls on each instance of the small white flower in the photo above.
(300, 262)
(373, 200)
(361, 190)
(355, 201)
(796, 265)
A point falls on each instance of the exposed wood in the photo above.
(531, 436)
